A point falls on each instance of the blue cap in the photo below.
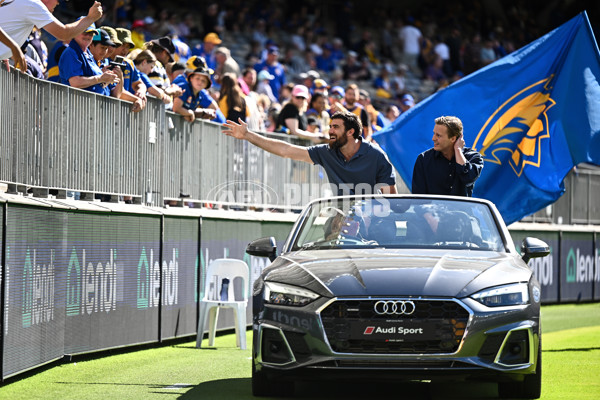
(91, 28)
(407, 100)
(338, 90)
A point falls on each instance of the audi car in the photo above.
(397, 287)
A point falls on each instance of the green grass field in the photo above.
(571, 370)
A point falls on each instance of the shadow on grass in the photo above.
(241, 389)
(573, 349)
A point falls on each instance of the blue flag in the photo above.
(532, 115)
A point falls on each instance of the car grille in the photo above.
(446, 320)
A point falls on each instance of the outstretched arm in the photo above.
(69, 31)
(17, 55)
(277, 147)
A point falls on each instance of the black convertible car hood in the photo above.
(393, 272)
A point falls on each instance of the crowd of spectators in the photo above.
(281, 66)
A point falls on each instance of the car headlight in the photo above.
(287, 295)
(507, 295)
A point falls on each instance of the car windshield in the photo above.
(398, 223)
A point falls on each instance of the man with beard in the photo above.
(354, 166)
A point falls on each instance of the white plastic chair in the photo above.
(235, 274)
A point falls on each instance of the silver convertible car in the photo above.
(398, 287)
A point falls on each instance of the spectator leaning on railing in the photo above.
(144, 62)
(209, 109)
(78, 68)
(17, 19)
(101, 43)
(132, 82)
(189, 103)
(163, 50)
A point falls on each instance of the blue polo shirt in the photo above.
(130, 75)
(367, 168)
(76, 62)
(277, 71)
(435, 174)
(146, 80)
(202, 99)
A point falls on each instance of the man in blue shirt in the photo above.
(78, 68)
(350, 163)
(449, 167)
(273, 67)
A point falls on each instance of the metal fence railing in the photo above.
(56, 140)
(579, 205)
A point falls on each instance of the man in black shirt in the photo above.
(449, 167)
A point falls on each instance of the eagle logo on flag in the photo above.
(514, 132)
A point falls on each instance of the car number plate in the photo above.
(394, 331)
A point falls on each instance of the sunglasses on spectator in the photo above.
(301, 98)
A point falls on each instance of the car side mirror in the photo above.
(263, 247)
(533, 248)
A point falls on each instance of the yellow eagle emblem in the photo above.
(514, 132)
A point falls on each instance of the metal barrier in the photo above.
(57, 140)
(579, 204)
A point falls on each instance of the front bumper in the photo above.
(501, 344)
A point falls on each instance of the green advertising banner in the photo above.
(180, 276)
(577, 274)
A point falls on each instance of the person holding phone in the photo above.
(78, 68)
(448, 168)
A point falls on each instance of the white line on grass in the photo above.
(178, 386)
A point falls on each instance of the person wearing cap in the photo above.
(205, 100)
(18, 18)
(292, 118)
(336, 97)
(320, 86)
(77, 67)
(274, 68)
(102, 48)
(99, 48)
(448, 168)
(351, 164)
(307, 79)
(406, 102)
(132, 81)
(163, 50)
(264, 87)
(195, 102)
(101, 43)
(206, 49)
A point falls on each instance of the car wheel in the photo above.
(530, 388)
(263, 386)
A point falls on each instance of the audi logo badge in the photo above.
(394, 307)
